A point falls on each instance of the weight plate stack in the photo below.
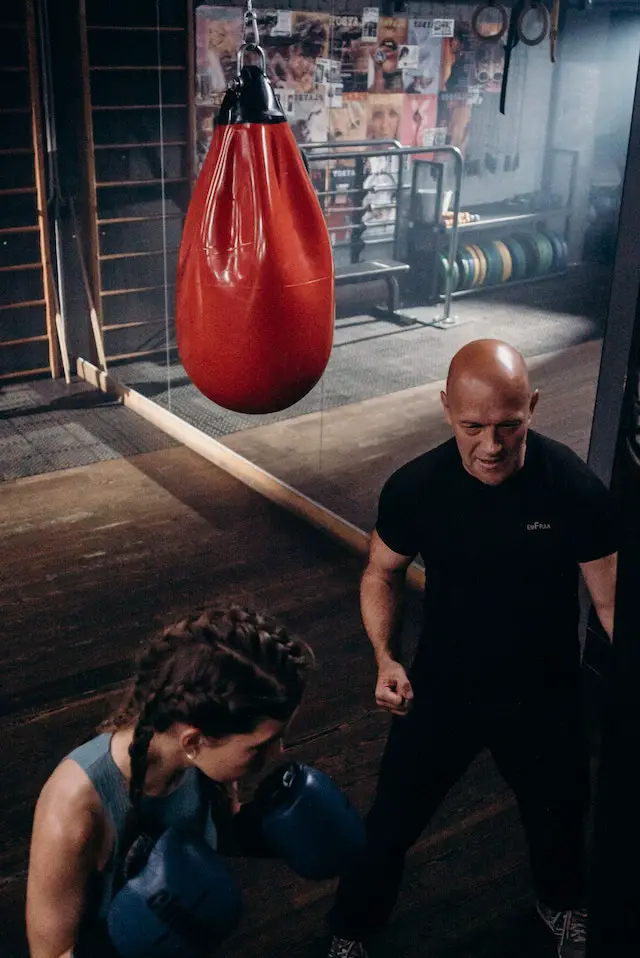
(494, 263)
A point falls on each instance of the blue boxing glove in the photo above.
(183, 902)
(309, 822)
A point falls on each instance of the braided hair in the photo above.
(223, 672)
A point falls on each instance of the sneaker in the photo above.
(569, 930)
(344, 948)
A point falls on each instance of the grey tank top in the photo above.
(186, 807)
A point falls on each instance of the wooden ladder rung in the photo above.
(135, 289)
(138, 254)
(22, 342)
(101, 107)
(155, 68)
(96, 26)
(167, 179)
(143, 322)
(138, 146)
(139, 219)
(8, 230)
(23, 304)
(19, 267)
(18, 191)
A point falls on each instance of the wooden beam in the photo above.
(91, 206)
(191, 85)
(247, 472)
(55, 346)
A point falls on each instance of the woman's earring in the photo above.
(191, 756)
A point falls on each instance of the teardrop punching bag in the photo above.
(255, 297)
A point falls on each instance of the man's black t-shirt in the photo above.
(501, 599)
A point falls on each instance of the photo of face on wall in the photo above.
(218, 36)
(384, 113)
(291, 61)
(419, 115)
(385, 71)
(350, 121)
(489, 65)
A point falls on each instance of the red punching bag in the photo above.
(255, 287)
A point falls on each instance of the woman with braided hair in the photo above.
(209, 703)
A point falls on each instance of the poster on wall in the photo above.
(384, 68)
(470, 68)
(309, 117)
(349, 122)
(419, 119)
(424, 77)
(218, 36)
(384, 113)
(292, 58)
(470, 64)
(351, 51)
(370, 22)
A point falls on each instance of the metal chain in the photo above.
(250, 23)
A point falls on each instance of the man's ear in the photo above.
(445, 406)
(535, 396)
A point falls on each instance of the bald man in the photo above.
(504, 520)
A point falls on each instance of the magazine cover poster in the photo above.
(419, 119)
(309, 120)
(385, 71)
(469, 63)
(218, 36)
(425, 76)
(384, 113)
(350, 121)
(348, 47)
(205, 118)
(291, 59)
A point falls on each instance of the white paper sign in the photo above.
(284, 26)
(370, 22)
(443, 28)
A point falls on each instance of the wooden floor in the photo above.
(96, 557)
(342, 457)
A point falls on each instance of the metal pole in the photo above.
(446, 321)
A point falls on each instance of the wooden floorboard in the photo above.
(342, 457)
(95, 558)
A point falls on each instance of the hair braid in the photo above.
(222, 671)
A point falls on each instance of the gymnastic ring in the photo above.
(546, 23)
(504, 16)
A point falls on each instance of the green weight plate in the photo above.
(518, 257)
(556, 243)
(530, 248)
(545, 249)
(442, 272)
(463, 265)
(494, 263)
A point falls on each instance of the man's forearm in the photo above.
(381, 609)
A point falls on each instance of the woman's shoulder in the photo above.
(69, 801)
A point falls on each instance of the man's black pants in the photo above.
(539, 746)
